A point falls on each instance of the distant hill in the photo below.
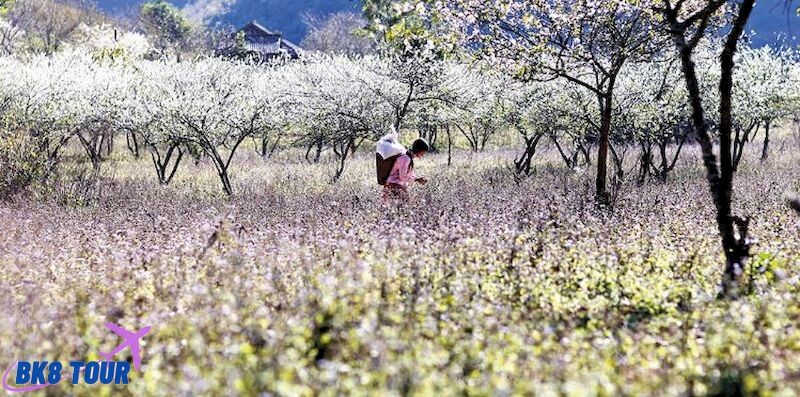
(284, 16)
(771, 18)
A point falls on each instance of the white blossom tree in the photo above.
(205, 101)
(764, 91)
(584, 42)
(339, 105)
(40, 102)
(653, 98)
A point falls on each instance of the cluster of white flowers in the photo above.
(107, 41)
(335, 103)
(208, 105)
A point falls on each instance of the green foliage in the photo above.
(5, 6)
(402, 29)
(239, 43)
(165, 22)
(763, 270)
(109, 54)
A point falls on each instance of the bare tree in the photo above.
(44, 25)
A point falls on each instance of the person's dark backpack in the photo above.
(384, 167)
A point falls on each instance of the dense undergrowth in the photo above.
(481, 285)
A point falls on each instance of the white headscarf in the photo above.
(389, 146)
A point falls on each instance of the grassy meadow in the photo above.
(482, 284)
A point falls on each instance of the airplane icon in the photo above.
(131, 340)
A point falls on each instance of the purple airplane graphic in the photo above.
(131, 340)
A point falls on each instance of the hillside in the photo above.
(284, 16)
(770, 20)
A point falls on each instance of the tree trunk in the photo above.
(308, 153)
(264, 144)
(174, 167)
(765, 148)
(720, 178)
(93, 148)
(274, 146)
(602, 150)
(318, 152)
(109, 144)
(226, 183)
(667, 166)
(740, 140)
(619, 170)
(737, 248)
(471, 137)
(223, 164)
(222, 172)
(316, 145)
(645, 161)
(133, 144)
(449, 146)
(522, 165)
(347, 147)
(587, 157)
(162, 165)
(662, 151)
(429, 133)
(570, 162)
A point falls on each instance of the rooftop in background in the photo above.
(268, 44)
(285, 16)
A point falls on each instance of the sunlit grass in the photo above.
(479, 285)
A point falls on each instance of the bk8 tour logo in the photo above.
(35, 375)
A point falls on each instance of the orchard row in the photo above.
(332, 104)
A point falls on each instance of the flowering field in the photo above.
(481, 285)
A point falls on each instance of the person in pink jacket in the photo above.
(402, 174)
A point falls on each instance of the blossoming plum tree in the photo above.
(764, 91)
(269, 112)
(338, 105)
(586, 43)
(39, 107)
(480, 106)
(652, 97)
(144, 114)
(204, 101)
(537, 111)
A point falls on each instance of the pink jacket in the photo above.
(400, 174)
